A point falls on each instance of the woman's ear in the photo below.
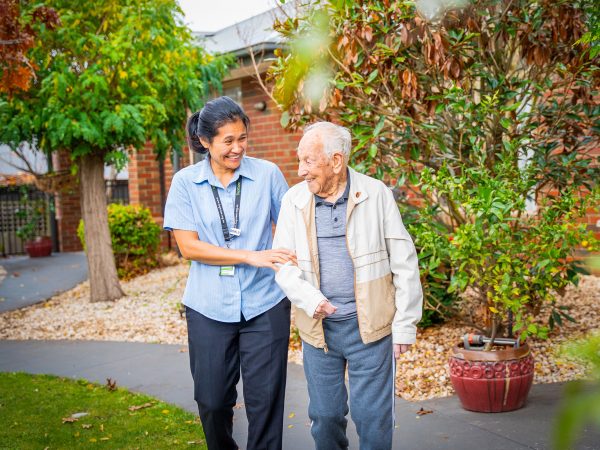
(204, 142)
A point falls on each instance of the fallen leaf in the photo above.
(290, 426)
(16, 274)
(137, 407)
(86, 426)
(422, 412)
(291, 415)
(238, 406)
(79, 415)
(69, 419)
(183, 350)
(104, 438)
(165, 411)
(111, 384)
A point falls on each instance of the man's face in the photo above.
(314, 166)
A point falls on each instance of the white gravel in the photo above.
(150, 312)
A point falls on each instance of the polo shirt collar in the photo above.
(342, 199)
(205, 172)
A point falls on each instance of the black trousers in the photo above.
(259, 347)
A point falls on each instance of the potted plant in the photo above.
(31, 214)
(484, 115)
(504, 259)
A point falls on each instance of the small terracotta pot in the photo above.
(39, 247)
(494, 381)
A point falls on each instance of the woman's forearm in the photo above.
(194, 249)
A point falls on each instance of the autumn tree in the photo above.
(487, 111)
(16, 40)
(114, 76)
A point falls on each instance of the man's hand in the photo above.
(401, 348)
(324, 309)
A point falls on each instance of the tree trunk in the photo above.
(104, 283)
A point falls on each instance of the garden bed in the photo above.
(150, 312)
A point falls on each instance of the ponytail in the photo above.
(193, 139)
(206, 122)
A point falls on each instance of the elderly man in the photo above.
(356, 289)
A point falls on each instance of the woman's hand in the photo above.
(269, 258)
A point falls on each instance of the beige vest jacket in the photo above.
(387, 286)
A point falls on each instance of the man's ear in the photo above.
(338, 162)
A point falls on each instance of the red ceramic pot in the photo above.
(494, 381)
(40, 246)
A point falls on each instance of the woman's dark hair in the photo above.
(206, 122)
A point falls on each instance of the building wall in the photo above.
(267, 139)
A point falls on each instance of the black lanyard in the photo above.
(236, 211)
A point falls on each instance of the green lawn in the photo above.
(36, 413)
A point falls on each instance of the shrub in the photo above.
(480, 111)
(135, 238)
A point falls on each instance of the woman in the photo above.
(221, 212)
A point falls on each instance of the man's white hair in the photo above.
(334, 138)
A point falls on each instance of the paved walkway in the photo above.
(32, 280)
(162, 371)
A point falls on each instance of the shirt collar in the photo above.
(205, 172)
(320, 200)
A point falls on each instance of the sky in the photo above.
(213, 15)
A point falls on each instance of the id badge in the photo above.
(235, 231)
(227, 271)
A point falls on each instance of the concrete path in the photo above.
(32, 280)
(163, 371)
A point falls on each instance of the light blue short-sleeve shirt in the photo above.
(191, 206)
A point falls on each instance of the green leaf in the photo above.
(373, 150)
(285, 119)
(379, 126)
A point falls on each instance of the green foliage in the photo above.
(135, 239)
(33, 408)
(503, 258)
(111, 77)
(581, 404)
(478, 113)
(31, 213)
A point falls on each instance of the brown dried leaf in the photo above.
(138, 407)
(424, 412)
(69, 419)
(368, 33)
(111, 384)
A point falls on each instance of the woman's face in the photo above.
(228, 146)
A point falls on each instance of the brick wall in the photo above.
(144, 184)
(267, 139)
(68, 208)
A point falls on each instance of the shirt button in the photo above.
(335, 220)
(333, 206)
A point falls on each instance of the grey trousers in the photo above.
(371, 381)
(218, 351)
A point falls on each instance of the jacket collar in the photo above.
(358, 193)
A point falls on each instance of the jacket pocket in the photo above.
(376, 300)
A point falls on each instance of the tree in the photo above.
(16, 39)
(115, 76)
(482, 111)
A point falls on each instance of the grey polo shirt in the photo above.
(336, 269)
